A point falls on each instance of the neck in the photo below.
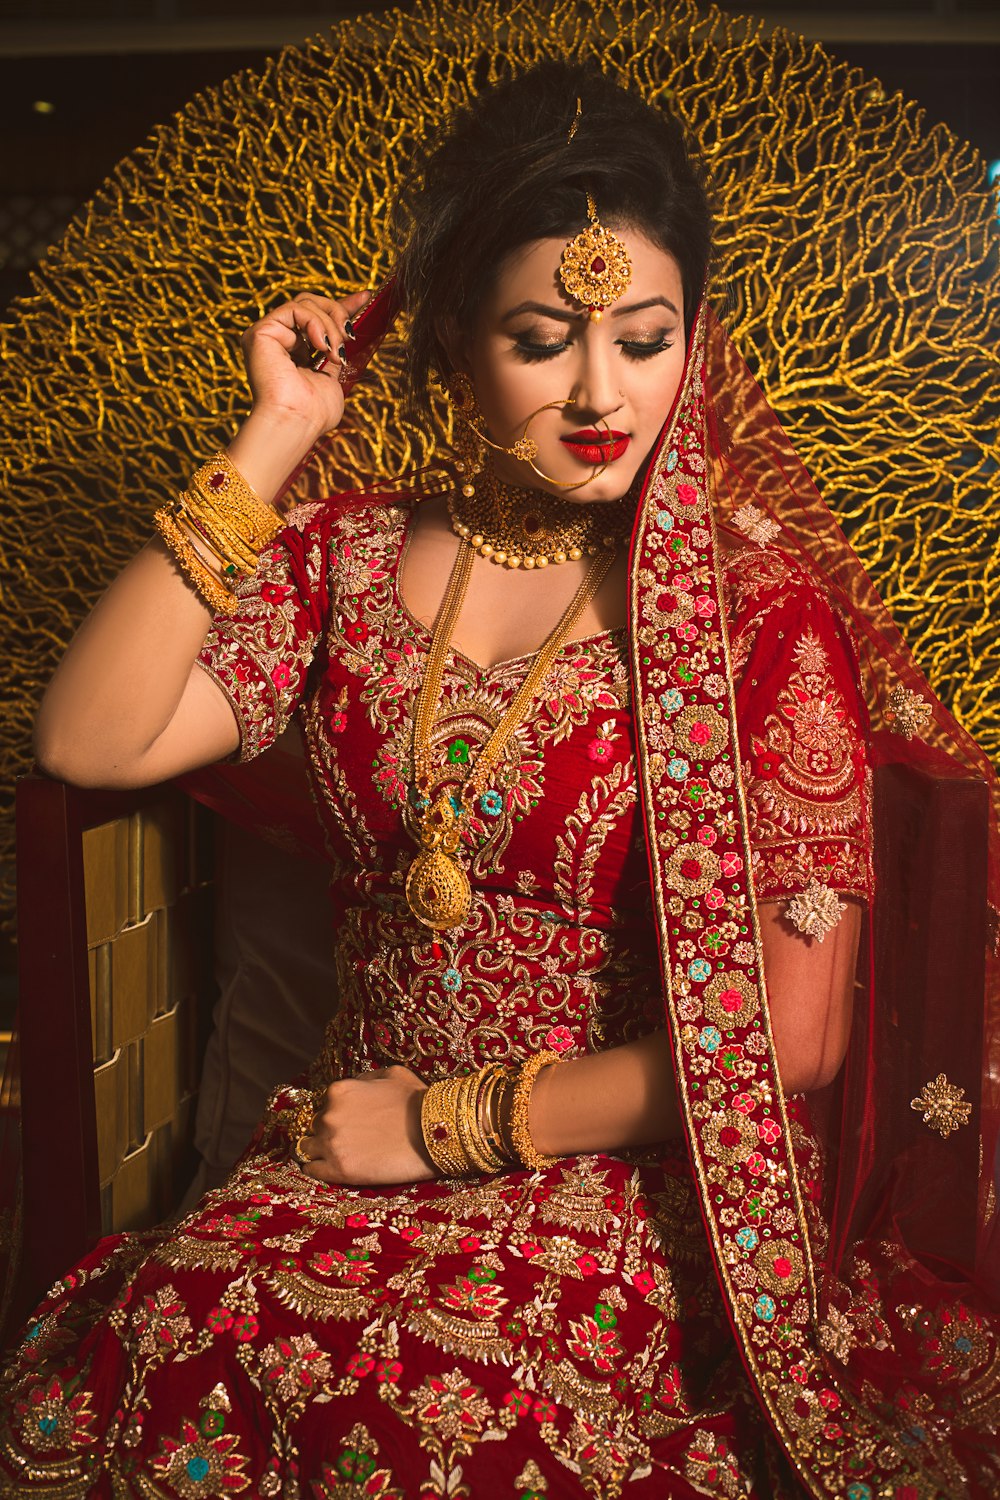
(519, 527)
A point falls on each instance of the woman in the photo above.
(524, 1233)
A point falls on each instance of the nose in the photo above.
(597, 389)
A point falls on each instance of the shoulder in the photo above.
(775, 604)
(336, 536)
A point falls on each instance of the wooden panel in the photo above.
(162, 1085)
(159, 834)
(105, 880)
(132, 1189)
(111, 1105)
(134, 966)
(99, 977)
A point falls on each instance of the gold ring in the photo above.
(298, 1152)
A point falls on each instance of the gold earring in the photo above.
(473, 443)
(469, 446)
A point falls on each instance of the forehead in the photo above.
(531, 273)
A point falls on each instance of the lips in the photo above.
(591, 446)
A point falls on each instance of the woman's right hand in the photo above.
(278, 353)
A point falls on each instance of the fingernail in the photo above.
(349, 328)
(326, 340)
(321, 364)
(341, 351)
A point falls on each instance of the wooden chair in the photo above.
(114, 919)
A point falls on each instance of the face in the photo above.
(533, 344)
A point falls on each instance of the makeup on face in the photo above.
(594, 447)
(609, 383)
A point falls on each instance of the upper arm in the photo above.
(251, 672)
(803, 731)
(810, 990)
(256, 662)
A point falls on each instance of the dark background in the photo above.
(82, 84)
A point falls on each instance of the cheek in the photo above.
(656, 401)
(508, 394)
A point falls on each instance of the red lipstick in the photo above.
(593, 446)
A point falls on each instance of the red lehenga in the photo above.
(700, 1320)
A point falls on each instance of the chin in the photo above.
(612, 485)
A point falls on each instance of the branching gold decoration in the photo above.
(857, 240)
(943, 1105)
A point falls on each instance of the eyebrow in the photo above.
(564, 315)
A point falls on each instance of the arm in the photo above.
(367, 1129)
(127, 705)
(626, 1096)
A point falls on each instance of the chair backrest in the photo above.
(114, 919)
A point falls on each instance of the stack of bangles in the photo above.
(216, 529)
(478, 1122)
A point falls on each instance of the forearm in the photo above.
(607, 1101)
(125, 674)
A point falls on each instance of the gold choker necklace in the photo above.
(529, 529)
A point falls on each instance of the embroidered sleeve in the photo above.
(803, 745)
(260, 656)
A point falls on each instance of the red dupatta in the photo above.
(865, 1329)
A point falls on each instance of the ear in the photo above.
(453, 345)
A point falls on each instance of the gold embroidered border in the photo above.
(751, 1105)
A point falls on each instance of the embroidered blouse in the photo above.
(559, 949)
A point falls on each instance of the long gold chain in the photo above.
(437, 888)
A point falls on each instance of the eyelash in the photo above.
(632, 349)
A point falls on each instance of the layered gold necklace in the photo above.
(438, 892)
(524, 529)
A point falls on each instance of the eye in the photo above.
(645, 348)
(529, 350)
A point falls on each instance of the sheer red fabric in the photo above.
(908, 1281)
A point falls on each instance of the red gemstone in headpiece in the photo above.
(598, 265)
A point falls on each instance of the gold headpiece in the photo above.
(595, 268)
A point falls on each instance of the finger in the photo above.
(340, 311)
(323, 312)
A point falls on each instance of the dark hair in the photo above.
(506, 173)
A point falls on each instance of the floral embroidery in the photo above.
(816, 910)
(943, 1105)
(755, 525)
(909, 713)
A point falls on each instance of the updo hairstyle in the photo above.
(506, 174)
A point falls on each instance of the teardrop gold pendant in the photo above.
(438, 892)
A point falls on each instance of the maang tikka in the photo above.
(596, 268)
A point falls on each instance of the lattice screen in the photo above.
(859, 241)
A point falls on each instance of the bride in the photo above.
(586, 1192)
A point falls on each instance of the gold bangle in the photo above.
(227, 542)
(439, 1127)
(211, 588)
(489, 1118)
(520, 1135)
(474, 1145)
(221, 488)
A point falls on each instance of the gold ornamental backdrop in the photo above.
(858, 252)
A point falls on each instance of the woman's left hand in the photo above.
(366, 1131)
